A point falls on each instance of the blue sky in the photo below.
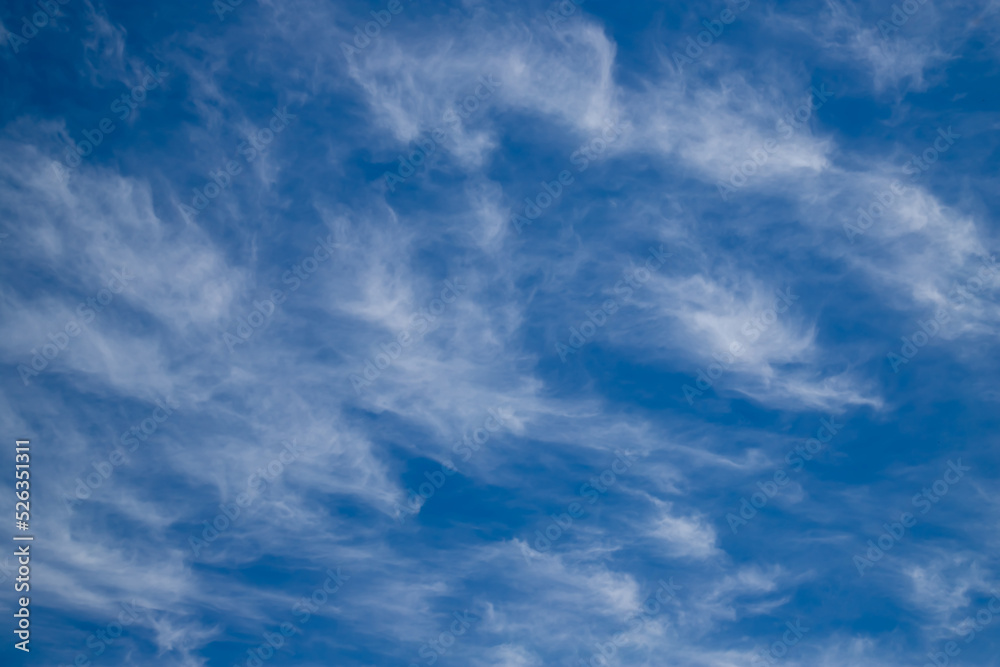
(503, 334)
